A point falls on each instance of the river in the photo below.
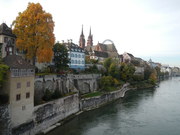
(140, 112)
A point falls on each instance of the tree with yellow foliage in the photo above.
(34, 30)
(153, 77)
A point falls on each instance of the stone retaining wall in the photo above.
(48, 114)
(95, 102)
(5, 123)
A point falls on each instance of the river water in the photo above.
(140, 112)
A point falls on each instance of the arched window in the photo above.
(79, 56)
(75, 61)
(78, 61)
(82, 62)
(75, 55)
(72, 55)
(82, 56)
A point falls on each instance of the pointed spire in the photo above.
(82, 31)
(90, 31)
(82, 40)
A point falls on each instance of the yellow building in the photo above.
(20, 88)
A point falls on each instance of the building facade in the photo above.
(7, 41)
(20, 89)
(76, 55)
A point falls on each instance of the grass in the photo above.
(70, 93)
(93, 94)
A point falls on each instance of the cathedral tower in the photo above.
(82, 40)
(90, 39)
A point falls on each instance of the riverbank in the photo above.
(91, 103)
(128, 115)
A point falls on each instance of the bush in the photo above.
(116, 82)
(47, 95)
(56, 94)
(138, 78)
(108, 83)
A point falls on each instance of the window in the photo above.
(79, 56)
(18, 97)
(28, 84)
(13, 41)
(79, 62)
(23, 72)
(28, 95)
(23, 107)
(75, 55)
(82, 62)
(72, 55)
(72, 61)
(75, 61)
(5, 39)
(18, 85)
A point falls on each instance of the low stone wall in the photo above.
(95, 102)
(5, 123)
(48, 114)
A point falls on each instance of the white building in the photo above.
(76, 55)
(127, 57)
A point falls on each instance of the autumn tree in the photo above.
(61, 59)
(153, 77)
(34, 30)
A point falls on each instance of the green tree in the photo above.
(106, 81)
(114, 70)
(61, 59)
(34, 30)
(126, 71)
(107, 63)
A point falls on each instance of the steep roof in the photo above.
(100, 54)
(73, 46)
(107, 47)
(5, 30)
(130, 55)
(17, 62)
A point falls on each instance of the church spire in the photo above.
(82, 34)
(90, 39)
(82, 39)
(90, 32)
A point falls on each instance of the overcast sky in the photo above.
(145, 28)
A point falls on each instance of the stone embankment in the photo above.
(96, 102)
(52, 114)
(48, 115)
(5, 123)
